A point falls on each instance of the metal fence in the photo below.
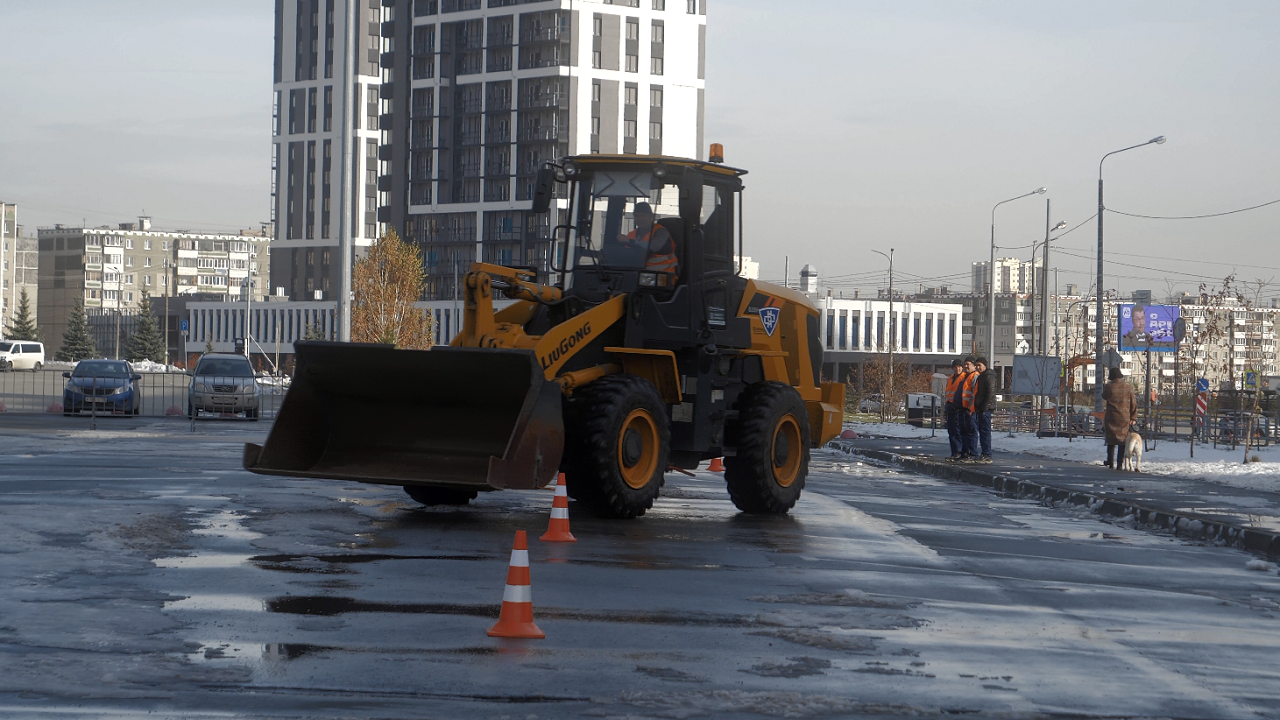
(161, 394)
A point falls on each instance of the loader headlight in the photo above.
(570, 168)
(648, 279)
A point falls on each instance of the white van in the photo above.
(21, 355)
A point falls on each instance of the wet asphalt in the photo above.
(146, 574)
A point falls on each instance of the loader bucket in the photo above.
(477, 418)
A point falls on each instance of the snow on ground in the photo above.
(1221, 465)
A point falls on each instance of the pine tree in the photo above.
(314, 332)
(387, 283)
(22, 327)
(76, 342)
(145, 343)
(208, 346)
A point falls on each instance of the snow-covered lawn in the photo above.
(1221, 465)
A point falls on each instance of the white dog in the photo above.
(1132, 453)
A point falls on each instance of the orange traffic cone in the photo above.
(716, 465)
(516, 618)
(558, 528)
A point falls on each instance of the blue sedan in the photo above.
(109, 387)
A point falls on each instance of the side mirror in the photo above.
(544, 188)
(137, 377)
(66, 374)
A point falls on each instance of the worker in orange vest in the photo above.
(951, 404)
(661, 249)
(968, 419)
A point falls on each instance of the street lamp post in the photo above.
(885, 397)
(991, 279)
(1098, 319)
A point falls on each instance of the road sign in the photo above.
(1036, 375)
(1202, 404)
(1111, 358)
(1251, 379)
(183, 325)
(1202, 385)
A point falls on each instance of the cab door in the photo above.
(19, 359)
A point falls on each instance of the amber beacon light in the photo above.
(717, 153)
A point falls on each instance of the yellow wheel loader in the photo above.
(648, 351)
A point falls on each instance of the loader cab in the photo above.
(625, 215)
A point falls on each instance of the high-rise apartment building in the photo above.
(311, 93)
(477, 94)
(1013, 275)
(18, 266)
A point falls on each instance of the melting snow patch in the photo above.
(1262, 565)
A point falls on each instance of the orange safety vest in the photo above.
(953, 384)
(969, 391)
(663, 260)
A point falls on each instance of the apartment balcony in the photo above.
(542, 134)
(544, 34)
(545, 100)
(500, 38)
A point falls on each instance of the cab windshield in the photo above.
(620, 218)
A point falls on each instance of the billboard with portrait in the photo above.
(1144, 327)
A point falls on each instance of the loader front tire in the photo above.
(439, 496)
(768, 472)
(617, 442)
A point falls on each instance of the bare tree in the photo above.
(387, 283)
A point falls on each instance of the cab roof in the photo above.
(637, 161)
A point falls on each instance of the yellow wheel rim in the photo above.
(638, 448)
(786, 451)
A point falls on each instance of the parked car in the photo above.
(21, 355)
(222, 384)
(109, 387)
(871, 404)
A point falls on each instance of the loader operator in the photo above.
(660, 248)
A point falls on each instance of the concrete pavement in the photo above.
(1245, 518)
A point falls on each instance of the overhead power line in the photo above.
(1192, 217)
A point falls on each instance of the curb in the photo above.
(1181, 524)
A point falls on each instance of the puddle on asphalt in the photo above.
(226, 524)
(327, 606)
(333, 564)
(203, 561)
(216, 602)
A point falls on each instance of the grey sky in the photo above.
(888, 124)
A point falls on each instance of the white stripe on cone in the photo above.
(559, 513)
(518, 594)
(519, 558)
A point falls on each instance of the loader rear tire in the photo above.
(617, 442)
(767, 475)
(439, 496)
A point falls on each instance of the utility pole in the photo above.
(346, 241)
(887, 396)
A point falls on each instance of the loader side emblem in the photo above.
(769, 317)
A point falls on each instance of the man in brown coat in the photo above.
(1122, 412)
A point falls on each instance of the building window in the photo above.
(629, 128)
(633, 29)
(597, 26)
(659, 4)
(595, 126)
(633, 63)
(656, 34)
(595, 58)
(655, 96)
(655, 66)
(655, 131)
(692, 7)
(595, 91)
(632, 94)
(146, 245)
